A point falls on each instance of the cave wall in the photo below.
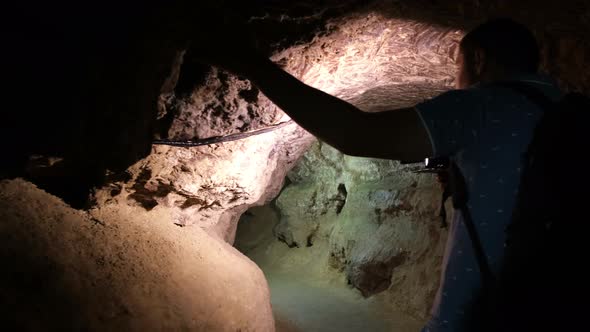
(373, 222)
(560, 27)
(386, 235)
(383, 237)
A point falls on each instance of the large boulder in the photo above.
(119, 268)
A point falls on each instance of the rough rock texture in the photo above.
(379, 57)
(559, 26)
(119, 269)
(377, 220)
(223, 104)
(210, 186)
(377, 63)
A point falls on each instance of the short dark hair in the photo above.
(508, 43)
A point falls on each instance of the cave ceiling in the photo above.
(380, 54)
(97, 83)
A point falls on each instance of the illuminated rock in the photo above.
(383, 234)
(210, 186)
(119, 268)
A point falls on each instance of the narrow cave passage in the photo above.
(305, 305)
(346, 245)
(306, 296)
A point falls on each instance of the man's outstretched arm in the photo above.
(396, 135)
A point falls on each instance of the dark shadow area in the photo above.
(37, 295)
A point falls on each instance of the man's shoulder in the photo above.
(454, 100)
(539, 82)
(480, 95)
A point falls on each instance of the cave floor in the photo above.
(302, 304)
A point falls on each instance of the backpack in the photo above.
(540, 288)
(547, 236)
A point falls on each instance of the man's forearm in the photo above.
(397, 134)
(325, 116)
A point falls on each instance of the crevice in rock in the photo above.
(351, 216)
(341, 198)
(374, 277)
(146, 194)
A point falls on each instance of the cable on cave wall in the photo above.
(220, 139)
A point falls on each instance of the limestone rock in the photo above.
(119, 268)
(377, 219)
(210, 186)
(222, 105)
(302, 210)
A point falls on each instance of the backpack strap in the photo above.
(460, 199)
(532, 93)
(459, 192)
(550, 107)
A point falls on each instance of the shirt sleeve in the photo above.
(452, 120)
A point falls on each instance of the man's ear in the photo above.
(479, 61)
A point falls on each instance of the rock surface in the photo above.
(119, 268)
(376, 220)
(210, 186)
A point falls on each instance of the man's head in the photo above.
(496, 50)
